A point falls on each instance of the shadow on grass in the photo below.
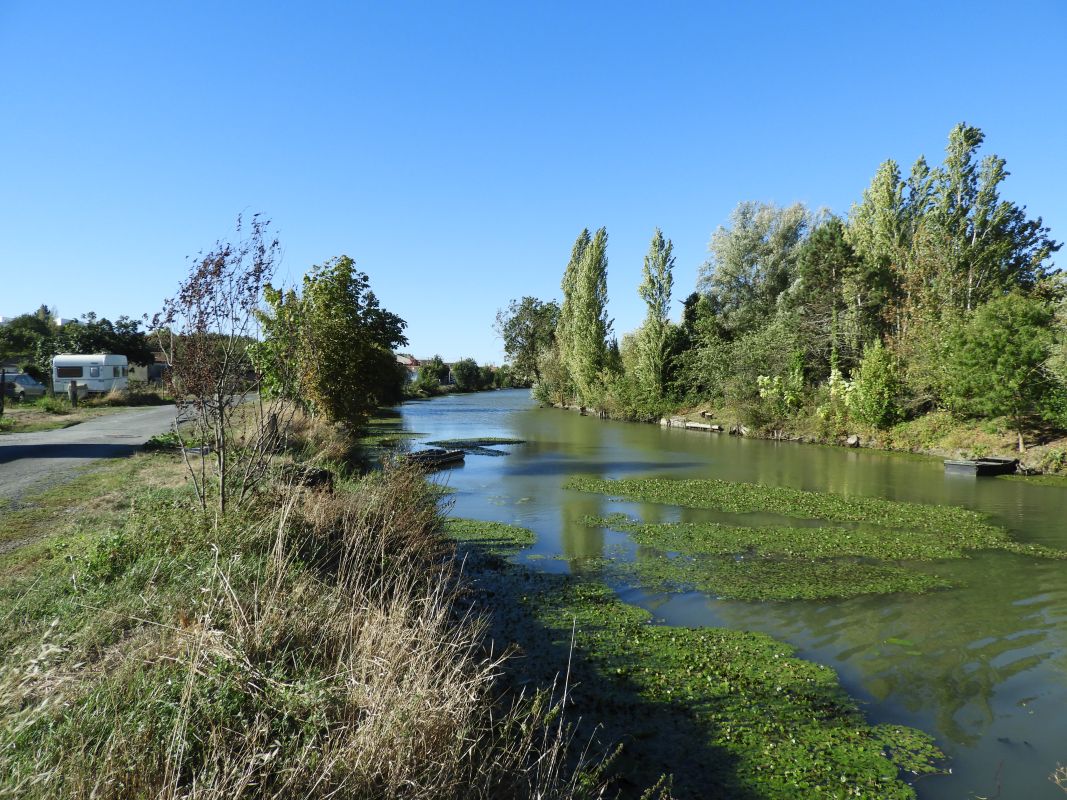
(16, 452)
(605, 705)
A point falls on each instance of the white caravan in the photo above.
(99, 373)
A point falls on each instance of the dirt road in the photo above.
(34, 461)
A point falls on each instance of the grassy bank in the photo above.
(722, 713)
(308, 645)
(936, 433)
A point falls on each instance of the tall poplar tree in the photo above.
(654, 337)
(588, 326)
(565, 333)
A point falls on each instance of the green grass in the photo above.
(45, 414)
(712, 538)
(726, 713)
(306, 643)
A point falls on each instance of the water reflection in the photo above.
(982, 667)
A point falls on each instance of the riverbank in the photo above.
(937, 434)
(307, 644)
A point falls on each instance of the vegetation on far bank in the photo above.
(934, 294)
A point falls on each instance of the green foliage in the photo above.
(341, 339)
(588, 326)
(555, 386)
(654, 336)
(426, 383)
(998, 358)
(875, 388)
(437, 368)
(765, 723)
(753, 262)
(100, 335)
(528, 329)
(467, 375)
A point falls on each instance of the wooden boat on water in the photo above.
(434, 457)
(982, 466)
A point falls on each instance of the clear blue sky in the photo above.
(455, 150)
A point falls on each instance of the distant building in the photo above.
(410, 363)
(150, 373)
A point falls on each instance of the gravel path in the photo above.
(31, 462)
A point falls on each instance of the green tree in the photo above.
(753, 262)
(348, 342)
(566, 330)
(528, 329)
(997, 360)
(875, 386)
(588, 326)
(436, 367)
(467, 374)
(426, 383)
(989, 245)
(100, 335)
(654, 337)
(22, 335)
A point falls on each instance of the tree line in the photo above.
(933, 292)
(34, 338)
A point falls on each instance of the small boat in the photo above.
(982, 466)
(434, 457)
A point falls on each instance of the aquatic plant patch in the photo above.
(712, 538)
(725, 713)
(484, 441)
(497, 537)
(952, 529)
(759, 578)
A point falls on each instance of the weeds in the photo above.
(307, 645)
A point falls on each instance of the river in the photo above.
(982, 667)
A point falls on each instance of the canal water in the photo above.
(982, 667)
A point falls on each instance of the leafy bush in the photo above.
(873, 399)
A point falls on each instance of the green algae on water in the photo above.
(726, 713)
(496, 537)
(953, 529)
(761, 579)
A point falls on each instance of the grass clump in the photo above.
(712, 538)
(304, 646)
(496, 537)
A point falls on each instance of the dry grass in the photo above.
(308, 648)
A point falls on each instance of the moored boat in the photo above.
(434, 457)
(982, 466)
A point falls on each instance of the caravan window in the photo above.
(68, 372)
(115, 372)
(94, 372)
(125, 371)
